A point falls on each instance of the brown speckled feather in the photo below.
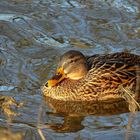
(114, 70)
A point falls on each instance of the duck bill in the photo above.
(57, 78)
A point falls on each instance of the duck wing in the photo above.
(120, 58)
(113, 70)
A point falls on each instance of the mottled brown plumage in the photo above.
(102, 81)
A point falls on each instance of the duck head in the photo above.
(72, 65)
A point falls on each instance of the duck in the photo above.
(99, 77)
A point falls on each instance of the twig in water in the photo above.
(133, 107)
(39, 120)
(127, 95)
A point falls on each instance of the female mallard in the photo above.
(98, 77)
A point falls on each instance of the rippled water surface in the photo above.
(33, 34)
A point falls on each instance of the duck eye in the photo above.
(58, 73)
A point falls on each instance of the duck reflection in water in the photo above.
(74, 112)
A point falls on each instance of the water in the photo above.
(33, 34)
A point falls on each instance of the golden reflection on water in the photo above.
(74, 112)
(6, 134)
